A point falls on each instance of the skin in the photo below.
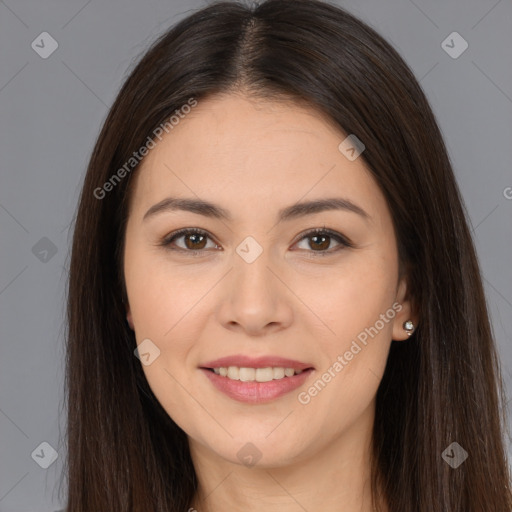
(254, 157)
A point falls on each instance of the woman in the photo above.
(274, 298)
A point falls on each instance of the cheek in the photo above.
(352, 296)
(165, 306)
(357, 305)
(159, 294)
(157, 302)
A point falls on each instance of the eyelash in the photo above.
(343, 241)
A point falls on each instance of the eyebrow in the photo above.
(294, 211)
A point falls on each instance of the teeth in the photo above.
(278, 373)
(256, 374)
(234, 373)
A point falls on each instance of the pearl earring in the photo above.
(409, 327)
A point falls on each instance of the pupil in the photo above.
(323, 245)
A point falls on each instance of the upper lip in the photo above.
(256, 362)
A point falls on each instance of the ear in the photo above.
(129, 317)
(405, 313)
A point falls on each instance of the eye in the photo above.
(194, 240)
(320, 239)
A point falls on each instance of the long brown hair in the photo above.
(441, 386)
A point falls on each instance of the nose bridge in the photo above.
(251, 272)
(254, 298)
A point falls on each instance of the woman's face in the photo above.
(259, 287)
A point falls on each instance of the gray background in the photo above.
(51, 111)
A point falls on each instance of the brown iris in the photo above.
(195, 237)
(322, 245)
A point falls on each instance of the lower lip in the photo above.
(256, 392)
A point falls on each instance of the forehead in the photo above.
(251, 151)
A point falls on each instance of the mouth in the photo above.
(256, 380)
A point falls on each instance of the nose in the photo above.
(255, 299)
